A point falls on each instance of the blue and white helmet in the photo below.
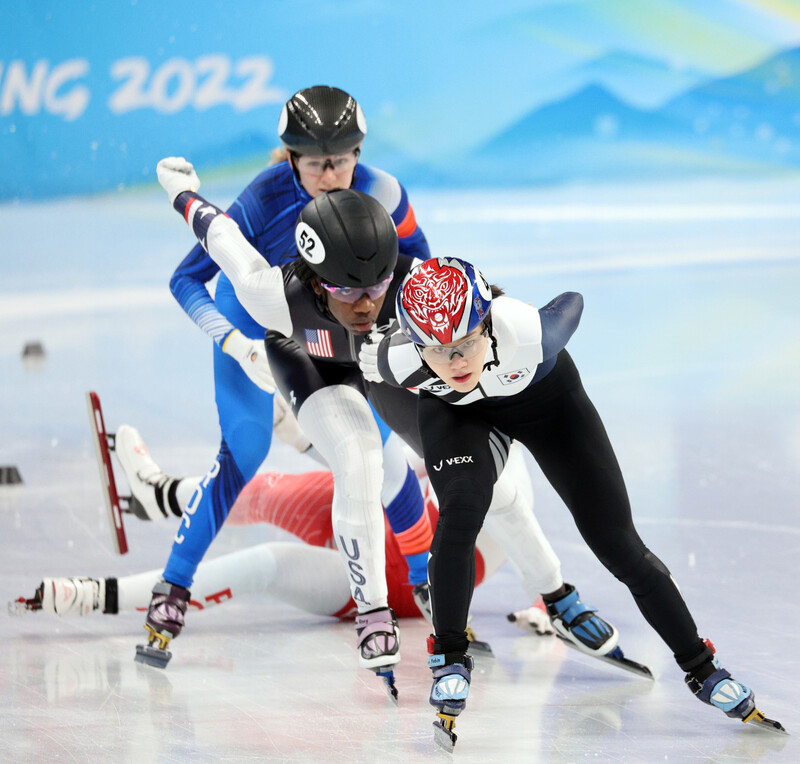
(442, 300)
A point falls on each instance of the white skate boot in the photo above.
(148, 483)
(379, 645)
(71, 596)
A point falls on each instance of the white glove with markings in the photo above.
(368, 357)
(251, 355)
(176, 175)
(532, 619)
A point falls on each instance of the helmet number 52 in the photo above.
(309, 244)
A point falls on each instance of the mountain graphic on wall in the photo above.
(748, 123)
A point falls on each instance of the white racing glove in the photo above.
(533, 619)
(251, 355)
(177, 175)
(285, 426)
(368, 357)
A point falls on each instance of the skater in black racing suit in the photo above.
(483, 360)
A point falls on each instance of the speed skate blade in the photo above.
(107, 481)
(443, 735)
(152, 656)
(614, 658)
(387, 675)
(477, 646)
(757, 719)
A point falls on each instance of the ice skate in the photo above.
(164, 623)
(379, 645)
(579, 626)
(68, 597)
(578, 623)
(733, 698)
(451, 678)
(146, 480)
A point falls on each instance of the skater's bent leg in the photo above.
(203, 518)
(245, 414)
(339, 422)
(572, 448)
(462, 472)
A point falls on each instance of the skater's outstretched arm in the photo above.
(258, 285)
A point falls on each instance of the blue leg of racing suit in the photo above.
(245, 418)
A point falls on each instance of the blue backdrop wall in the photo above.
(456, 94)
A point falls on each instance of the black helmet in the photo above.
(321, 120)
(347, 238)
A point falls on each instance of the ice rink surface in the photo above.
(689, 347)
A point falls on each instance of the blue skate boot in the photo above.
(164, 623)
(579, 625)
(451, 677)
(721, 690)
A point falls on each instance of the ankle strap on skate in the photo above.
(443, 660)
(706, 654)
(449, 644)
(570, 607)
(381, 621)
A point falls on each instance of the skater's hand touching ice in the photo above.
(368, 357)
(533, 619)
(176, 175)
(251, 355)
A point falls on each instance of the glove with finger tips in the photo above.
(251, 355)
(532, 619)
(368, 357)
(176, 175)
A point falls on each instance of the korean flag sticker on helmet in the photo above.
(309, 245)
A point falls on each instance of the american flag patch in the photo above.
(318, 342)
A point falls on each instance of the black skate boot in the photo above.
(164, 623)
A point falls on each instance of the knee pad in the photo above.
(640, 573)
(463, 505)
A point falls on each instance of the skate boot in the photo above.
(150, 487)
(379, 645)
(451, 678)
(164, 623)
(713, 685)
(579, 625)
(71, 596)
